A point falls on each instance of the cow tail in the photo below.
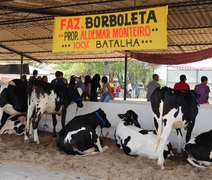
(160, 125)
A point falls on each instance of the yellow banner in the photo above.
(130, 30)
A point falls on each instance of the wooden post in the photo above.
(21, 73)
(125, 77)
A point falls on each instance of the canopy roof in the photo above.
(26, 28)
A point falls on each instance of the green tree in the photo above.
(115, 70)
(140, 72)
(137, 71)
(81, 68)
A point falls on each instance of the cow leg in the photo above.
(99, 146)
(179, 138)
(35, 121)
(4, 118)
(35, 131)
(63, 117)
(28, 123)
(1, 114)
(163, 141)
(54, 122)
(189, 131)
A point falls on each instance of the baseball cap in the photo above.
(77, 76)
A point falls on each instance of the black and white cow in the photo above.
(49, 99)
(172, 109)
(14, 125)
(136, 141)
(79, 136)
(13, 100)
(199, 150)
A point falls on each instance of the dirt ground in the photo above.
(112, 164)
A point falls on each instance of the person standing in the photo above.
(59, 79)
(79, 85)
(71, 83)
(33, 78)
(95, 85)
(24, 78)
(202, 91)
(87, 93)
(152, 86)
(45, 79)
(136, 90)
(182, 85)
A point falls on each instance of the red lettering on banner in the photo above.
(81, 45)
(69, 23)
(136, 31)
(62, 23)
(95, 34)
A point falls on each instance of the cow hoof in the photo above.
(105, 148)
(161, 166)
(54, 134)
(179, 151)
(37, 142)
(26, 139)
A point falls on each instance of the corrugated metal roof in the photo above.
(26, 26)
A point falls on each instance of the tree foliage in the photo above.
(137, 71)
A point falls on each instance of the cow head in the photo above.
(78, 98)
(130, 118)
(103, 119)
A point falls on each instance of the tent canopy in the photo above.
(26, 28)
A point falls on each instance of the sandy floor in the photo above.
(112, 164)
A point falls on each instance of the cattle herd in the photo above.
(22, 106)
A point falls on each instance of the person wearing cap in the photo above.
(79, 83)
(182, 85)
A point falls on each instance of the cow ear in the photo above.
(121, 116)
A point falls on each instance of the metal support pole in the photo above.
(125, 77)
(21, 73)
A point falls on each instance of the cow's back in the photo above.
(200, 147)
(173, 99)
(15, 94)
(78, 133)
(77, 123)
